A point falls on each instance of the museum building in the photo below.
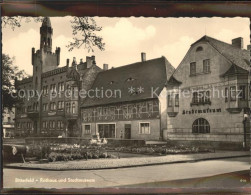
(214, 95)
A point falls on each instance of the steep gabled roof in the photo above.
(239, 57)
(149, 75)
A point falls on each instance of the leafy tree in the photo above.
(9, 73)
(83, 30)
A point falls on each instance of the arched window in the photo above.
(201, 125)
(199, 48)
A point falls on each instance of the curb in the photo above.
(118, 167)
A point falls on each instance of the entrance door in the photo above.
(127, 131)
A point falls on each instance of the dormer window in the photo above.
(199, 49)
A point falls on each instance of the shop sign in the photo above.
(200, 111)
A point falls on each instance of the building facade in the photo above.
(130, 107)
(214, 96)
(47, 103)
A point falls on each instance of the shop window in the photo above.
(206, 66)
(242, 92)
(87, 129)
(144, 128)
(201, 125)
(233, 93)
(193, 68)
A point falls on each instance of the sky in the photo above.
(125, 38)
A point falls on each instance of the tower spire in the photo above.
(46, 32)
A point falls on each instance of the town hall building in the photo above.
(54, 113)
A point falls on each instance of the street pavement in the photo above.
(18, 178)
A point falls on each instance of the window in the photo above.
(68, 90)
(68, 107)
(176, 100)
(45, 107)
(144, 128)
(195, 97)
(53, 88)
(232, 93)
(226, 94)
(193, 68)
(45, 90)
(206, 66)
(207, 96)
(87, 129)
(242, 92)
(60, 125)
(199, 48)
(60, 105)
(53, 106)
(201, 97)
(61, 86)
(201, 125)
(169, 100)
(73, 108)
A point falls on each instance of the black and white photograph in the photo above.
(125, 103)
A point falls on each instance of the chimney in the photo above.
(74, 62)
(67, 62)
(81, 61)
(238, 42)
(105, 66)
(249, 47)
(143, 57)
(89, 61)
